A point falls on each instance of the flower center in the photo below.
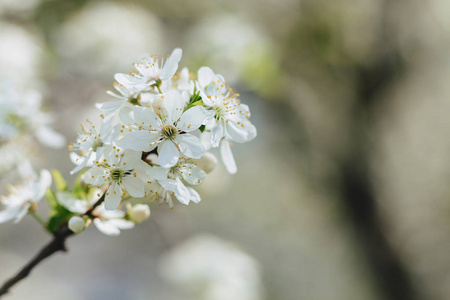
(169, 131)
(117, 174)
(97, 143)
(219, 110)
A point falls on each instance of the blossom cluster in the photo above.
(152, 143)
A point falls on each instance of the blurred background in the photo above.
(345, 192)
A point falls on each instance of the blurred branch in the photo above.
(390, 272)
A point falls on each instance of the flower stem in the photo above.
(39, 219)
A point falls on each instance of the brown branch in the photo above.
(58, 243)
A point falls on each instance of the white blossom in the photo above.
(126, 94)
(110, 222)
(21, 114)
(169, 131)
(151, 71)
(171, 179)
(78, 206)
(115, 170)
(184, 83)
(90, 143)
(22, 197)
(227, 117)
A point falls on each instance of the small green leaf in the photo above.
(61, 184)
(58, 216)
(202, 128)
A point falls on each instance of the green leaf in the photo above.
(58, 216)
(202, 128)
(61, 184)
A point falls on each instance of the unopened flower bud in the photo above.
(76, 224)
(138, 213)
(207, 162)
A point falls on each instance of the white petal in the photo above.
(193, 174)
(158, 173)
(176, 186)
(146, 116)
(207, 101)
(9, 214)
(173, 106)
(94, 176)
(140, 140)
(192, 119)
(171, 65)
(110, 106)
(134, 186)
(106, 125)
(72, 204)
(227, 157)
(126, 80)
(190, 145)
(236, 132)
(216, 134)
(79, 160)
(168, 154)
(193, 195)
(129, 159)
(113, 196)
(205, 76)
(209, 117)
(122, 224)
(244, 130)
(106, 227)
(108, 214)
(45, 180)
(25, 169)
(126, 116)
(251, 129)
(22, 212)
(98, 153)
(112, 135)
(49, 137)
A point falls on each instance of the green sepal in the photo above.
(194, 98)
(60, 183)
(80, 190)
(51, 198)
(58, 216)
(202, 128)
